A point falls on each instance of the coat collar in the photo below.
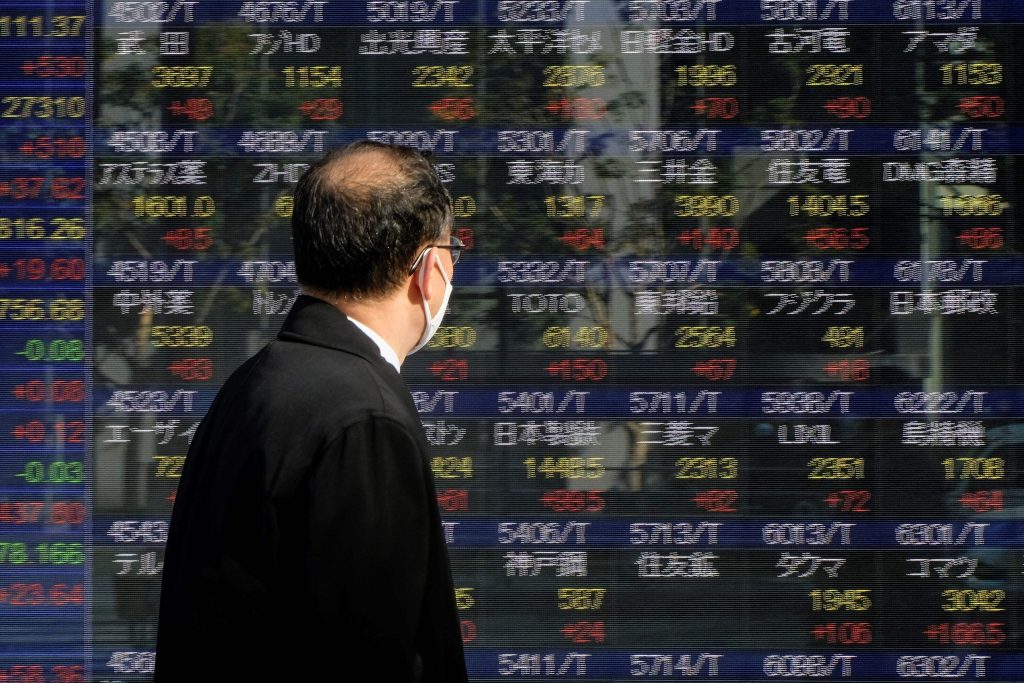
(315, 321)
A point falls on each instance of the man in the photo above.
(305, 541)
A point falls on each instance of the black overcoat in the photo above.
(305, 541)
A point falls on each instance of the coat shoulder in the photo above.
(316, 388)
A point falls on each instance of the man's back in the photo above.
(305, 537)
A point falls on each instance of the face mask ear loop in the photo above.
(421, 279)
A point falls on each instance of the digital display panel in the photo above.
(729, 387)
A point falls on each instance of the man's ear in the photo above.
(422, 278)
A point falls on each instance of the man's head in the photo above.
(362, 215)
(371, 229)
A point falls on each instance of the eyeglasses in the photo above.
(455, 244)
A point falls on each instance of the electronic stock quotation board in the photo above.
(730, 385)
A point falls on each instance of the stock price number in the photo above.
(847, 370)
(828, 205)
(62, 512)
(450, 369)
(837, 239)
(723, 239)
(982, 238)
(168, 466)
(181, 76)
(52, 391)
(434, 76)
(973, 205)
(38, 594)
(834, 600)
(843, 633)
(55, 66)
(835, 74)
(849, 500)
(46, 147)
(35, 673)
(706, 205)
(19, 552)
(844, 337)
(584, 239)
(192, 369)
(974, 468)
(31, 187)
(971, 73)
(56, 26)
(60, 432)
(574, 76)
(173, 206)
(969, 600)
(189, 239)
(42, 107)
(849, 107)
(983, 501)
(318, 76)
(453, 337)
(181, 336)
(54, 350)
(453, 108)
(706, 468)
(565, 467)
(57, 472)
(715, 369)
(42, 229)
(452, 467)
(982, 106)
(192, 108)
(587, 337)
(578, 369)
(705, 336)
(578, 108)
(575, 206)
(706, 75)
(42, 309)
(573, 500)
(836, 468)
(464, 598)
(716, 107)
(967, 633)
(58, 269)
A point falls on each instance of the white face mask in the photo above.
(432, 322)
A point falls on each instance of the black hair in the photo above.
(362, 214)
